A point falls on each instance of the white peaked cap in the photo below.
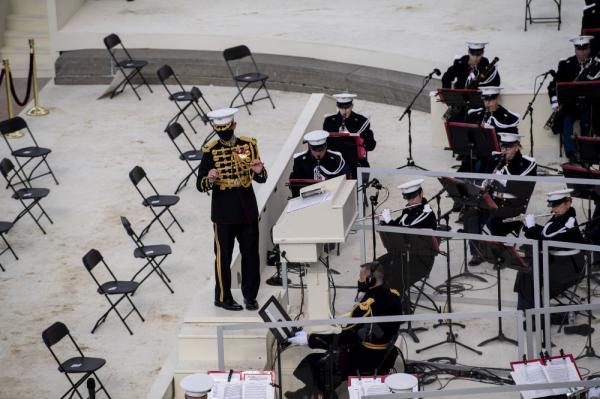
(316, 137)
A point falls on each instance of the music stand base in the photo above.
(412, 332)
(500, 338)
(450, 339)
(410, 163)
(589, 352)
(448, 323)
(469, 275)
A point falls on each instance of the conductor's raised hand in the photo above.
(257, 166)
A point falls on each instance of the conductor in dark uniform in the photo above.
(465, 70)
(348, 121)
(318, 162)
(565, 264)
(574, 68)
(365, 349)
(228, 167)
(512, 197)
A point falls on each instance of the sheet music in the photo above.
(255, 390)
(561, 370)
(531, 373)
(374, 388)
(301, 203)
(232, 390)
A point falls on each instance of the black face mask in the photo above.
(226, 135)
(362, 286)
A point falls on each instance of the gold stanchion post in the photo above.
(9, 109)
(37, 109)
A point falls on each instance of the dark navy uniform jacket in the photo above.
(460, 73)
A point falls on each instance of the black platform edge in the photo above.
(287, 73)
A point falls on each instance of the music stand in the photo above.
(589, 150)
(471, 140)
(349, 145)
(501, 256)
(272, 311)
(466, 194)
(408, 261)
(578, 91)
(463, 98)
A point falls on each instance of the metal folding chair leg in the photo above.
(185, 180)
(155, 269)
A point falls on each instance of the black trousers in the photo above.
(247, 237)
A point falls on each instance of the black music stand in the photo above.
(589, 150)
(588, 91)
(465, 194)
(450, 335)
(408, 261)
(501, 256)
(471, 141)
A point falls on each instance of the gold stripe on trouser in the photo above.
(218, 260)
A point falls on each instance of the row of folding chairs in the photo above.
(240, 63)
(29, 159)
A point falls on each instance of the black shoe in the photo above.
(476, 261)
(228, 304)
(251, 304)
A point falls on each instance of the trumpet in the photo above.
(521, 217)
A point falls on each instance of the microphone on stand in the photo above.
(551, 72)
(435, 72)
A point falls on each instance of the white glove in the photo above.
(299, 339)
(386, 215)
(570, 223)
(529, 220)
(554, 106)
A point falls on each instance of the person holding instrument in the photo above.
(471, 71)
(417, 213)
(511, 196)
(228, 167)
(580, 67)
(565, 264)
(318, 162)
(360, 348)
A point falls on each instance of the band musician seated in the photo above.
(565, 264)
(365, 349)
(318, 162)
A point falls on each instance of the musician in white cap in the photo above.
(197, 385)
(471, 70)
(511, 196)
(348, 121)
(580, 67)
(318, 162)
(493, 114)
(417, 213)
(565, 264)
(229, 166)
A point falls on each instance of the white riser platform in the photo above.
(29, 7)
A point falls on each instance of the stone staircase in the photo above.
(27, 19)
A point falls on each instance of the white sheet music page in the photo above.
(298, 203)
(531, 373)
(561, 370)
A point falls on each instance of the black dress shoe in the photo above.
(251, 304)
(228, 304)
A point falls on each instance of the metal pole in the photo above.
(18, 134)
(37, 109)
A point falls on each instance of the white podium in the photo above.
(302, 234)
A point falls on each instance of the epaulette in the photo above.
(209, 146)
(366, 305)
(395, 291)
(298, 154)
(248, 139)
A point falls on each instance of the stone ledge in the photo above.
(299, 74)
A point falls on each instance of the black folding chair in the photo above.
(183, 99)
(81, 365)
(150, 253)
(28, 197)
(191, 154)
(136, 175)
(110, 288)
(234, 58)
(30, 153)
(128, 66)
(4, 229)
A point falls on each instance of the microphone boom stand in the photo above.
(408, 111)
(529, 112)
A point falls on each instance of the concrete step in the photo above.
(197, 342)
(20, 39)
(27, 23)
(30, 7)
